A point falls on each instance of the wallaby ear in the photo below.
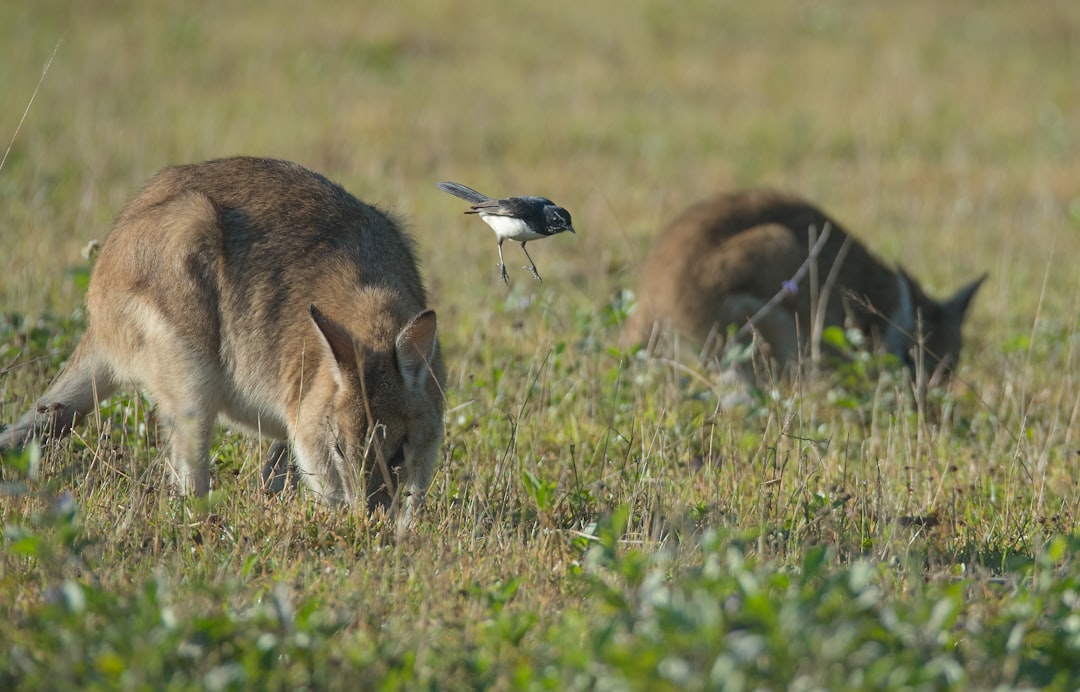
(415, 348)
(904, 317)
(337, 340)
(961, 300)
(900, 332)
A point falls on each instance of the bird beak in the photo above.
(571, 229)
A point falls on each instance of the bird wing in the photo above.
(497, 207)
(464, 192)
(518, 207)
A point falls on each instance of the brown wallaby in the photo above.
(723, 260)
(260, 290)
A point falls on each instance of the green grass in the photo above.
(597, 521)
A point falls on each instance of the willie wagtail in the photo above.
(514, 218)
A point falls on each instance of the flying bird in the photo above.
(514, 218)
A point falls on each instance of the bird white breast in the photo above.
(509, 227)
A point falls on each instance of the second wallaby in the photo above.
(260, 290)
(724, 259)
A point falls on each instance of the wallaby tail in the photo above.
(76, 391)
(464, 192)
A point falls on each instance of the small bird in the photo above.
(514, 218)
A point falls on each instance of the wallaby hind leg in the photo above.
(184, 382)
(74, 394)
(187, 400)
(189, 447)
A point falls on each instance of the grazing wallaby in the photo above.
(262, 291)
(725, 258)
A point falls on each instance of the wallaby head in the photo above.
(259, 290)
(726, 261)
(926, 333)
(370, 406)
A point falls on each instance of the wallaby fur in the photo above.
(724, 258)
(260, 290)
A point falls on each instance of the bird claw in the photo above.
(505, 276)
(536, 274)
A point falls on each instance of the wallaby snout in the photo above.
(258, 290)
(723, 260)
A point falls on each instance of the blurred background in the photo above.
(945, 135)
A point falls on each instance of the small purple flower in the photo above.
(791, 287)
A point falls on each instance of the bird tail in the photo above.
(466, 193)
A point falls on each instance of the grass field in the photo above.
(597, 521)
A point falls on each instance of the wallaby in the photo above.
(262, 291)
(724, 259)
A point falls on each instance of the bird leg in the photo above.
(502, 264)
(532, 265)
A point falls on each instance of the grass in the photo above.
(598, 521)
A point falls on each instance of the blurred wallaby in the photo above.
(260, 290)
(725, 258)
